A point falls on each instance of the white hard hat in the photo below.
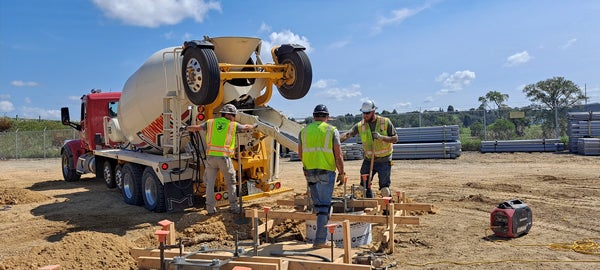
(229, 109)
(368, 106)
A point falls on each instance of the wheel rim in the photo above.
(107, 173)
(150, 190)
(118, 177)
(65, 164)
(127, 186)
(194, 75)
(290, 74)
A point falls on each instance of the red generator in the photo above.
(511, 219)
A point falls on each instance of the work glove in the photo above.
(376, 136)
(341, 179)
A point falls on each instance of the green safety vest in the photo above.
(220, 137)
(378, 147)
(317, 146)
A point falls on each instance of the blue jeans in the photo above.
(321, 190)
(383, 171)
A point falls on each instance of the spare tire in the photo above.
(298, 77)
(200, 74)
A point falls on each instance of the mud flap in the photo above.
(179, 195)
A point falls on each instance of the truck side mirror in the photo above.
(64, 116)
(66, 120)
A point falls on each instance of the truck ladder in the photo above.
(171, 124)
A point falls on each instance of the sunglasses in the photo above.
(365, 113)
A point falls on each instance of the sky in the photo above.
(404, 55)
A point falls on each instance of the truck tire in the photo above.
(298, 77)
(68, 166)
(119, 176)
(108, 173)
(132, 184)
(154, 192)
(201, 75)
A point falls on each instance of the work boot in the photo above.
(322, 245)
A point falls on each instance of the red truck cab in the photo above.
(94, 108)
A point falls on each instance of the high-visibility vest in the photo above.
(317, 146)
(378, 147)
(220, 137)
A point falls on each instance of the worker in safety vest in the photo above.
(321, 154)
(221, 143)
(378, 136)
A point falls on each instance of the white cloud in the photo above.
(518, 58)
(264, 27)
(278, 38)
(76, 98)
(396, 17)
(34, 113)
(4, 96)
(339, 44)
(27, 100)
(154, 13)
(456, 81)
(22, 84)
(428, 99)
(403, 105)
(6, 106)
(288, 37)
(338, 93)
(323, 83)
(569, 43)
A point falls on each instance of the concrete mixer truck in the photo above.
(135, 140)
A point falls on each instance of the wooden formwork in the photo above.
(398, 210)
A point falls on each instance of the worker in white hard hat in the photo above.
(221, 141)
(321, 154)
(378, 136)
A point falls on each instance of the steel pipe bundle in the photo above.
(582, 125)
(428, 134)
(427, 142)
(539, 145)
(588, 146)
(427, 150)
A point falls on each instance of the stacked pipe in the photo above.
(537, 145)
(427, 143)
(352, 151)
(588, 146)
(582, 125)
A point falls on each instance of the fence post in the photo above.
(44, 149)
(16, 144)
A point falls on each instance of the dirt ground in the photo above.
(83, 225)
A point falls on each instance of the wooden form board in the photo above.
(150, 259)
(404, 220)
(364, 203)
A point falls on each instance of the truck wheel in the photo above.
(68, 166)
(108, 172)
(154, 192)
(119, 176)
(201, 75)
(132, 184)
(298, 77)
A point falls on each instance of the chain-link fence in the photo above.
(475, 126)
(34, 144)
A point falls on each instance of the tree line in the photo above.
(551, 99)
